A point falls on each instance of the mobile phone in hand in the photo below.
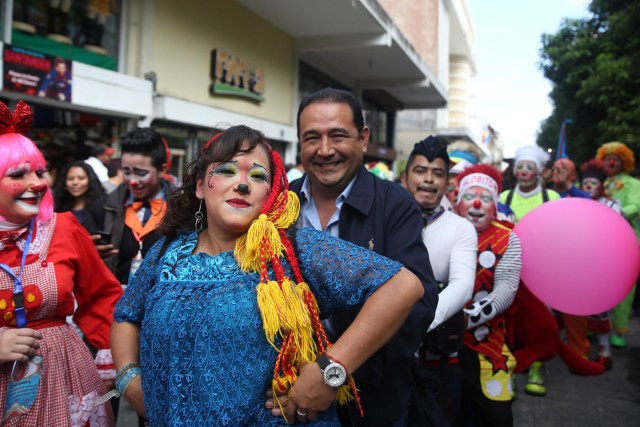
(105, 238)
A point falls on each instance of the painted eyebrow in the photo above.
(22, 167)
(134, 169)
(260, 166)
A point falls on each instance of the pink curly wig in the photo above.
(625, 153)
(15, 148)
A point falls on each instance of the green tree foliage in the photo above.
(594, 67)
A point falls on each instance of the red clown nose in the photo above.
(612, 163)
(477, 204)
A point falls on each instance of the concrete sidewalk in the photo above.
(611, 399)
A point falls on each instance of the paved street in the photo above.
(612, 399)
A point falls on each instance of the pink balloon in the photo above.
(578, 256)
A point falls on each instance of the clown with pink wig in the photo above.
(47, 373)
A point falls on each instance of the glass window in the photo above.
(380, 122)
(312, 80)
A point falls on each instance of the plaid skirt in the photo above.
(69, 384)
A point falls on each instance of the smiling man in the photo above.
(340, 197)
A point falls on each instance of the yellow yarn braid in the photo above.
(248, 246)
(285, 314)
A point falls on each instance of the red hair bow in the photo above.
(18, 122)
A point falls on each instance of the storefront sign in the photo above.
(36, 74)
(232, 75)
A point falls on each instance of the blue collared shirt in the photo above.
(384, 217)
(309, 211)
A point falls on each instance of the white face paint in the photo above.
(478, 206)
(593, 186)
(526, 174)
(29, 207)
(21, 191)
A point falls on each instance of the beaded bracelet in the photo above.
(125, 368)
(123, 382)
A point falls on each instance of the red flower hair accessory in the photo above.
(18, 122)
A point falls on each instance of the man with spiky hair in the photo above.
(452, 243)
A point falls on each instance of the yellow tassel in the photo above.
(270, 303)
(248, 246)
(281, 386)
(306, 344)
(344, 395)
(296, 315)
(290, 213)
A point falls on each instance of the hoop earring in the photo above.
(199, 216)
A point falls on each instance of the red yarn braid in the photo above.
(275, 204)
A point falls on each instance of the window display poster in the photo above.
(37, 74)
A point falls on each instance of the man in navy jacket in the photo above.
(339, 196)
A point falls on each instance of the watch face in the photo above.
(335, 375)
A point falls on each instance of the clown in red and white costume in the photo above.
(487, 362)
(56, 262)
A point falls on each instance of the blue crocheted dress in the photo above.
(204, 357)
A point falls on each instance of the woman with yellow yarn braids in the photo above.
(230, 302)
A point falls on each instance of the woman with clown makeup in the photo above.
(231, 306)
(487, 362)
(47, 375)
(593, 179)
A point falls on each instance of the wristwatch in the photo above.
(335, 375)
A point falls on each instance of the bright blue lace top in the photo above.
(204, 357)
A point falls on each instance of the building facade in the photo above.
(96, 68)
(443, 33)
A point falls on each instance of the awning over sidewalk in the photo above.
(356, 43)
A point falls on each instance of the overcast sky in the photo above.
(512, 94)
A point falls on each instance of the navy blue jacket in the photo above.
(383, 216)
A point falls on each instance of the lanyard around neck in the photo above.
(18, 295)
